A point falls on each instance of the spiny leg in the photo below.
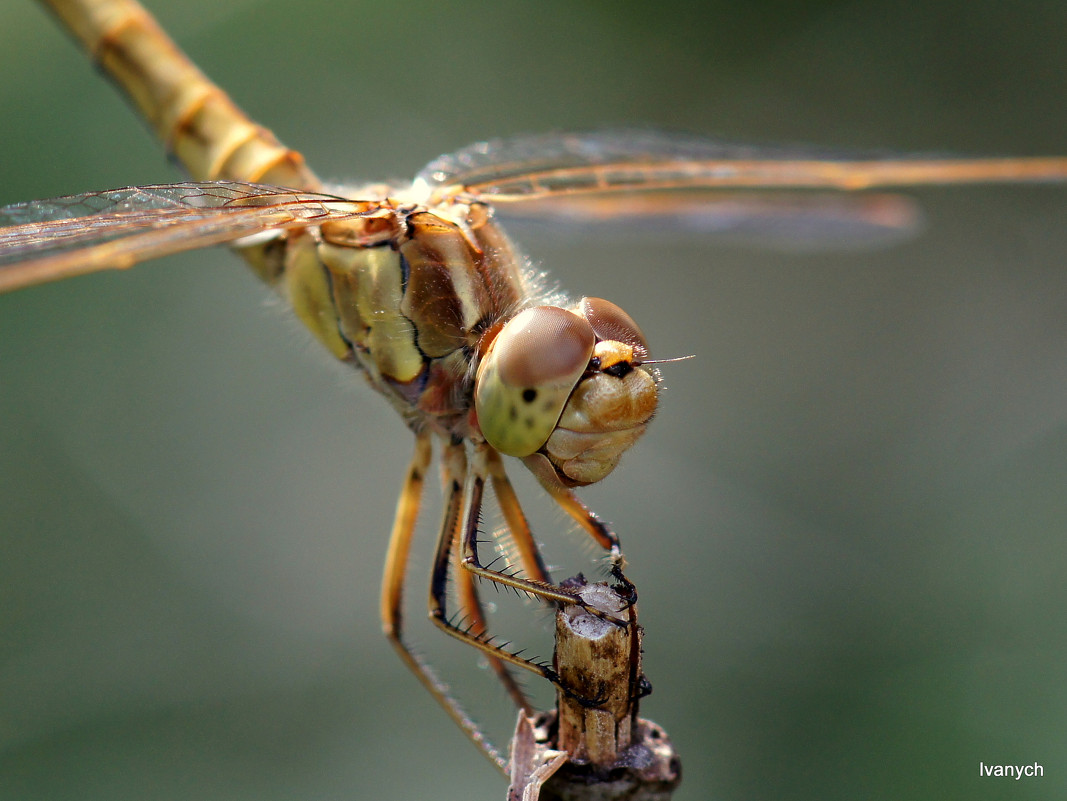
(462, 505)
(487, 460)
(469, 506)
(470, 606)
(396, 563)
(532, 562)
(527, 548)
(587, 519)
(544, 590)
(597, 529)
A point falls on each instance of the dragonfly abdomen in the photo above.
(200, 125)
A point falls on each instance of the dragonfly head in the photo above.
(566, 390)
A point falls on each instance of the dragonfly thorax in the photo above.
(406, 294)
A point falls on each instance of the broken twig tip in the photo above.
(594, 747)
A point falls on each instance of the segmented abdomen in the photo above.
(196, 120)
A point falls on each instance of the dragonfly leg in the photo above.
(533, 563)
(587, 519)
(469, 601)
(462, 505)
(393, 595)
(469, 506)
(526, 547)
(464, 492)
(546, 591)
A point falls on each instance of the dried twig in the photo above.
(594, 747)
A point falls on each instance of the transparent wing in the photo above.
(768, 220)
(515, 170)
(51, 239)
(638, 174)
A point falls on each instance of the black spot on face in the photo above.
(529, 394)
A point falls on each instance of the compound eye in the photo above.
(526, 377)
(609, 322)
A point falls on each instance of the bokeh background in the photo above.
(847, 523)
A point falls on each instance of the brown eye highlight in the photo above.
(543, 345)
(609, 322)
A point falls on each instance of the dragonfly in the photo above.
(418, 287)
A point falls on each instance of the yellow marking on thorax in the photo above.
(367, 297)
(307, 287)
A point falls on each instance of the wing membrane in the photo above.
(535, 167)
(54, 239)
(786, 221)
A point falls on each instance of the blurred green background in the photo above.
(846, 524)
